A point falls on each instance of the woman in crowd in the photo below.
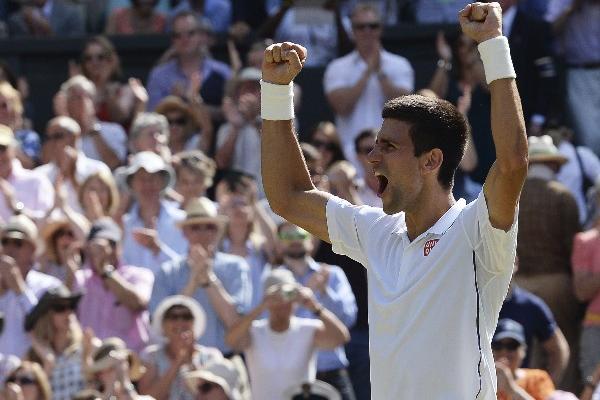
(140, 18)
(325, 139)
(150, 132)
(99, 197)
(58, 342)
(195, 172)
(180, 321)
(280, 350)
(28, 382)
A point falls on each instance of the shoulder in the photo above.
(164, 69)
(173, 211)
(111, 127)
(230, 260)
(219, 67)
(150, 352)
(342, 61)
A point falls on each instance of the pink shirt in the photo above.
(100, 310)
(586, 258)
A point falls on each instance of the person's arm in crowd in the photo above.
(130, 295)
(344, 43)
(107, 154)
(586, 284)
(333, 290)
(37, 23)
(268, 29)
(235, 122)
(557, 353)
(440, 79)
(590, 390)
(390, 91)
(560, 21)
(344, 99)
(505, 180)
(202, 116)
(238, 336)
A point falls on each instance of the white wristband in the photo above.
(276, 101)
(495, 55)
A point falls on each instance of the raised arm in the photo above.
(286, 179)
(483, 23)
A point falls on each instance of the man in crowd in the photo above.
(43, 18)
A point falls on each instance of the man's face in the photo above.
(366, 28)
(22, 251)
(204, 233)
(365, 146)
(101, 252)
(80, 105)
(147, 185)
(187, 38)
(57, 138)
(509, 352)
(150, 138)
(295, 242)
(398, 170)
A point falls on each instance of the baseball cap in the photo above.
(509, 329)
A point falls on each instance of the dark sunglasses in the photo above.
(187, 34)
(204, 227)
(95, 57)
(511, 345)
(206, 387)
(18, 243)
(61, 308)
(3, 148)
(181, 121)
(371, 26)
(295, 235)
(22, 380)
(56, 136)
(327, 145)
(181, 316)
(365, 150)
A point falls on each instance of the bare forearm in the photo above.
(125, 293)
(343, 100)
(237, 336)
(222, 303)
(225, 152)
(335, 333)
(390, 91)
(439, 82)
(106, 153)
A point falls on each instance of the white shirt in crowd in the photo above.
(279, 360)
(345, 72)
(433, 301)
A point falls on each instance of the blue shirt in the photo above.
(232, 271)
(531, 312)
(218, 12)
(29, 142)
(165, 77)
(337, 298)
(173, 244)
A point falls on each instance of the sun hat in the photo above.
(220, 371)
(182, 301)
(151, 163)
(202, 210)
(20, 227)
(112, 349)
(542, 149)
(52, 296)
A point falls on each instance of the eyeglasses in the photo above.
(56, 136)
(182, 34)
(96, 57)
(510, 345)
(64, 232)
(61, 308)
(206, 387)
(204, 227)
(181, 121)
(18, 243)
(294, 235)
(370, 25)
(326, 145)
(22, 380)
(364, 150)
(179, 316)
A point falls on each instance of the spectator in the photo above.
(22, 190)
(238, 140)
(282, 345)
(219, 282)
(180, 321)
(140, 18)
(548, 221)
(191, 66)
(575, 24)
(22, 285)
(150, 132)
(115, 101)
(325, 138)
(190, 126)
(151, 236)
(358, 84)
(320, 28)
(367, 190)
(314, 163)
(116, 295)
(99, 197)
(331, 288)
(43, 18)
(12, 115)
(217, 380)
(591, 391)
(217, 12)
(514, 382)
(115, 368)
(435, 11)
(103, 141)
(58, 342)
(195, 172)
(62, 145)
(344, 182)
(28, 382)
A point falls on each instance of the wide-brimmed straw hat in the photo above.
(114, 349)
(182, 301)
(52, 296)
(543, 150)
(200, 211)
(220, 371)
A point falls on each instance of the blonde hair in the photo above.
(109, 181)
(13, 96)
(79, 81)
(40, 377)
(44, 331)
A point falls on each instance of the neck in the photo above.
(297, 266)
(238, 234)
(365, 51)
(149, 209)
(426, 213)
(190, 61)
(60, 341)
(280, 324)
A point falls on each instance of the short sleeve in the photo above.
(142, 280)
(333, 79)
(545, 325)
(581, 259)
(401, 74)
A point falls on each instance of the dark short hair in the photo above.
(435, 123)
(362, 135)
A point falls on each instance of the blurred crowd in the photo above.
(140, 258)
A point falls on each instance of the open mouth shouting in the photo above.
(383, 183)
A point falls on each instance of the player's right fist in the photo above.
(282, 62)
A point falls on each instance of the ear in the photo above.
(431, 161)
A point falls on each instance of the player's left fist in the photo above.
(481, 21)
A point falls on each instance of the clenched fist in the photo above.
(283, 62)
(481, 21)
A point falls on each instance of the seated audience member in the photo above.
(367, 190)
(180, 321)
(28, 382)
(116, 295)
(343, 181)
(65, 159)
(21, 285)
(217, 380)
(116, 101)
(331, 288)
(219, 282)
(436, 12)
(140, 18)
(280, 350)
(151, 236)
(325, 139)
(99, 197)
(58, 342)
(508, 347)
(114, 370)
(190, 66)
(218, 12)
(190, 126)
(21, 190)
(103, 141)
(12, 115)
(195, 172)
(150, 132)
(43, 18)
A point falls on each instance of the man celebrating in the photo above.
(437, 269)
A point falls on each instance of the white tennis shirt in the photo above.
(433, 302)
